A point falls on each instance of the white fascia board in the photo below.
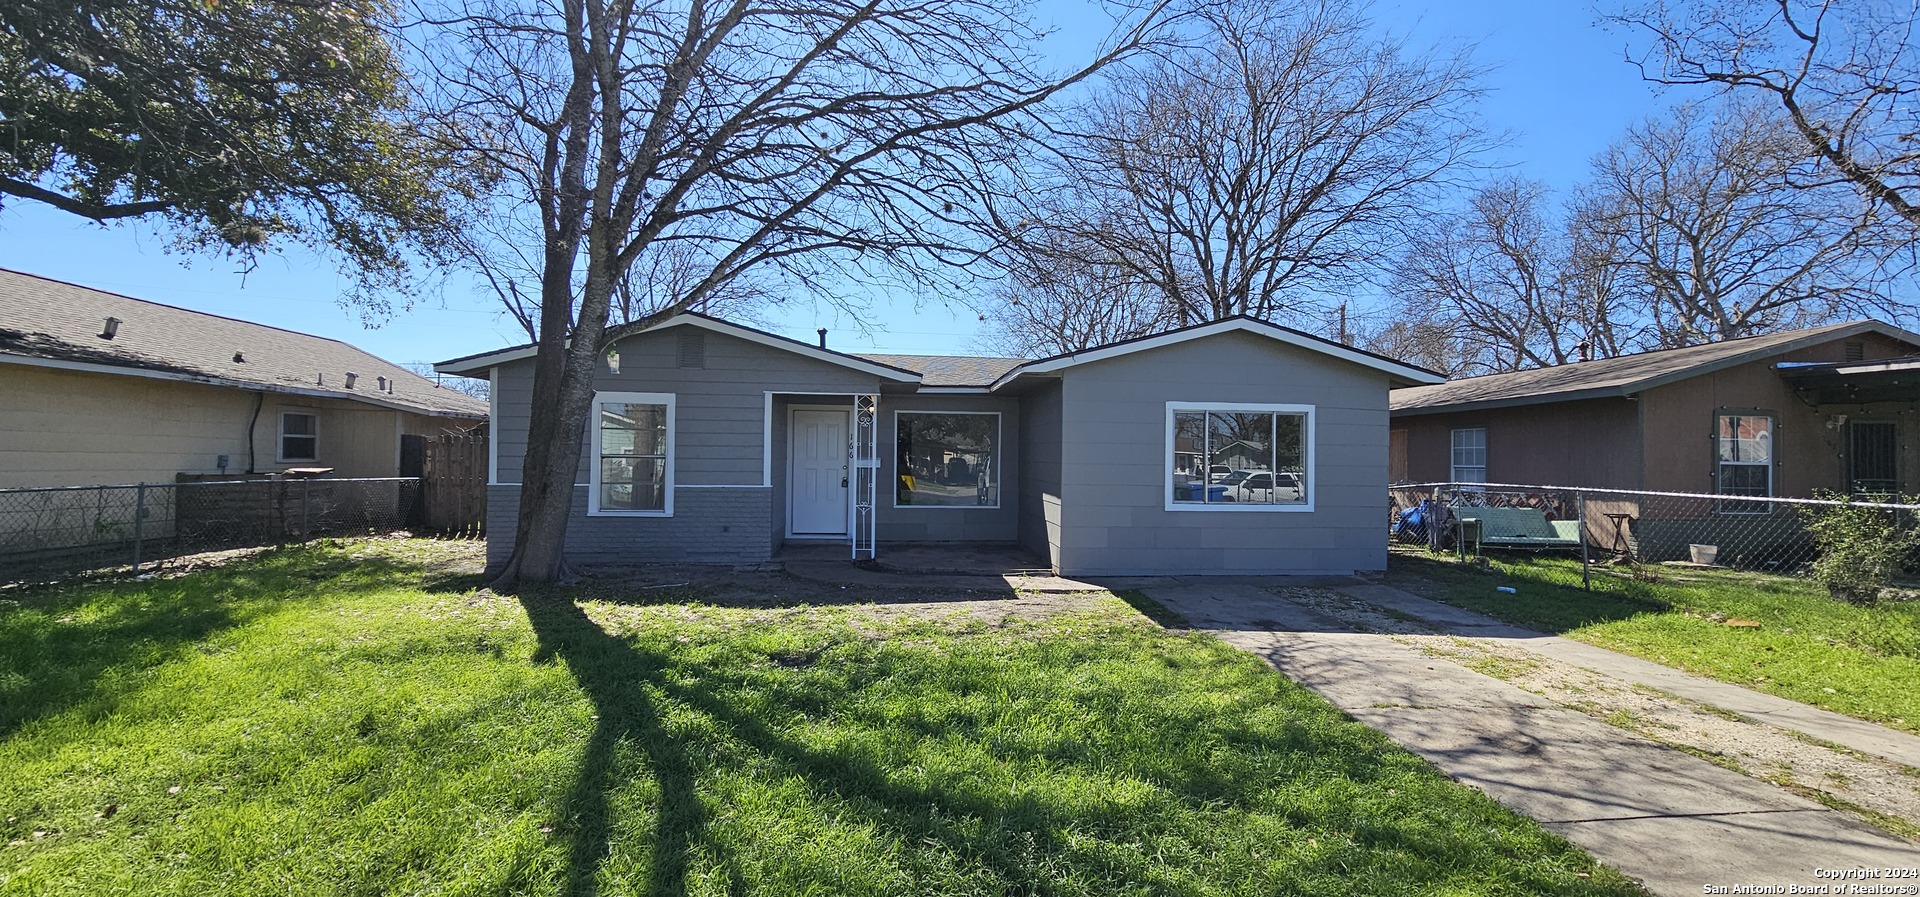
(476, 365)
(148, 374)
(463, 365)
(1050, 365)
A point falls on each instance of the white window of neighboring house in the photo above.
(1229, 457)
(632, 471)
(1470, 455)
(946, 459)
(1745, 448)
(299, 436)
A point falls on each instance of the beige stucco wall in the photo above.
(69, 428)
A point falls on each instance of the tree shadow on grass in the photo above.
(1022, 838)
(616, 679)
(1541, 603)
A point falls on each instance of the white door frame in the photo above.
(847, 522)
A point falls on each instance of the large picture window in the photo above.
(1240, 457)
(299, 436)
(632, 454)
(1745, 447)
(946, 460)
(1470, 455)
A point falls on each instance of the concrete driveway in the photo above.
(1680, 824)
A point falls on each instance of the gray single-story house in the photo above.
(1231, 447)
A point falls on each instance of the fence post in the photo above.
(139, 520)
(306, 490)
(1586, 565)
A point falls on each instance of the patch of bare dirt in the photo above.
(783, 596)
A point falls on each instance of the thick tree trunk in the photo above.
(561, 406)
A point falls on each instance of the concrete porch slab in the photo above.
(952, 565)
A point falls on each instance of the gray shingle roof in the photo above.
(1622, 375)
(950, 370)
(50, 319)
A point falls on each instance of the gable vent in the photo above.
(693, 349)
(1856, 351)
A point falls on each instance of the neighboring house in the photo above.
(1785, 414)
(101, 388)
(713, 442)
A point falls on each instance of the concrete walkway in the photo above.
(1676, 822)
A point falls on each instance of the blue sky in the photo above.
(1558, 87)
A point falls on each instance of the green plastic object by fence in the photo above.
(1522, 528)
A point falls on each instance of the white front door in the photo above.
(817, 486)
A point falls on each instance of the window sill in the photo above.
(598, 513)
(1241, 507)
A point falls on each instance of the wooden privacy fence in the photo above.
(453, 481)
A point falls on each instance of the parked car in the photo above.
(1266, 486)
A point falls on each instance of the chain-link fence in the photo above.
(45, 532)
(1604, 525)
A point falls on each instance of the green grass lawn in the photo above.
(343, 719)
(1861, 661)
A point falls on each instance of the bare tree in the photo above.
(1511, 289)
(1845, 75)
(1713, 236)
(806, 140)
(467, 386)
(1275, 159)
(1067, 297)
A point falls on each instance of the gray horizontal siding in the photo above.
(708, 526)
(1114, 463)
(1039, 483)
(720, 409)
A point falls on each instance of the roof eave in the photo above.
(249, 385)
(1580, 395)
(468, 366)
(1401, 372)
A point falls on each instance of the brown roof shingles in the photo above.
(50, 319)
(1620, 375)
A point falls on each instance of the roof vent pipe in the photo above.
(1586, 350)
(383, 384)
(111, 329)
(351, 379)
(823, 337)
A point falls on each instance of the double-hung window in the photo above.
(1239, 457)
(1470, 455)
(632, 454)
(1745, 454)
(299, 436)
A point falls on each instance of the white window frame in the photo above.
(1745, 504)
(1306, 459)
(999, 431)
(600, 401)
(1453, 455)
(280, 455)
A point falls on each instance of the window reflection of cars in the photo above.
(1260, 486)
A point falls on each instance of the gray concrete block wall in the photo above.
(1114, 471)
(708, 526)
